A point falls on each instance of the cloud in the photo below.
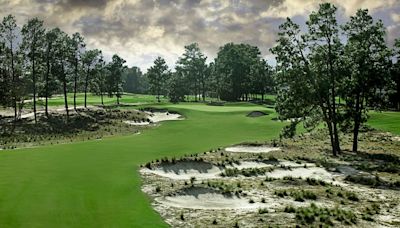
(141, 30)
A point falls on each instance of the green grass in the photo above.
(386, 121)
(95, 100)
(92, 99)
(96, 183)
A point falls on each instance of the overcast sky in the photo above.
(141, 30)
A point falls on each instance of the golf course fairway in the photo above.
(97, 184)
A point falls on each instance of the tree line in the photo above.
(329, 73)
(335, 73)
(238, 73)
(35, 61)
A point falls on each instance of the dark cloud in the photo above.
(139, 30)
(72, 4)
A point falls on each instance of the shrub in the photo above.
(290, 209)
(192, 180)
(262, 211)
(352, 196)
(281, 193)
(313, 214)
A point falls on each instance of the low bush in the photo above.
(314, 215)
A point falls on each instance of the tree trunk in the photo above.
(333, 84)
(75, 82)
(357, 122)
(47, 81)
(65, 98)
(101, 95)
(14, 86)
(34, 87)
(158, 94)
(204, 91)
(262, 97)
(355, 136)
(65, 92)
(86, 84)
(398, 92)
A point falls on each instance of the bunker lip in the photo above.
(251, 149)
(256, 114)
(205, 198)
(184, 170)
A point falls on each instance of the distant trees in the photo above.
(50, 83)
(395, 77)
(77, 45)
(114, 79)
(32, 46)
(158, 75)
(36, 62)
(60, 64)
(135, 81)
(90, 60)
(192, 69)
(237, 68)
(9, 34)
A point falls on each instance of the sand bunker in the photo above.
(131, 122)
(156, 117)
(251, 149)
(251, 164)
(184, 170)
(256, 114)
(204, 198)
(317, 173)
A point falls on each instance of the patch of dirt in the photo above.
(256, 114)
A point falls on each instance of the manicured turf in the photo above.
(96, 184)
(386, 121)
(95, 100)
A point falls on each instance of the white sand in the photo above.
(251, 164)
(185, 170)
(131, 122)
(251, 149)
(317, 173)
(199, 198)
(156, 117)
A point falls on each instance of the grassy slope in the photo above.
(386, 121)
(96, 184)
